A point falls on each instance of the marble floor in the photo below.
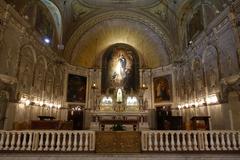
(92, 156)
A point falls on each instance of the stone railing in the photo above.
(58, 141)
(169, 141)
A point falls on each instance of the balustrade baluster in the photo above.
(206, 141)
(18, 141)
(150, 148)
(195, 145)
(93, 141)
(212, 146)
(13, 141)
(234, 143)
(223, 144)
(47, 142)
(80, 142)
(40, 146)
(24, 141)
(228, 142)
(184, 142)
(58, 141)
(86, 142)
(172, 141)
(2, 134)
(238, 133)
(69, 148)
(64, 142)
(7, 141)
(29, 141)
(75, 142)
(189, 141)
(161, 141)
(166, 142)
(156, 141)
(178, 142)
(217, 141)
(52, 141)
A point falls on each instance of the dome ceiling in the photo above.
(96, 40)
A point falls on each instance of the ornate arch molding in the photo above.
(128, 15)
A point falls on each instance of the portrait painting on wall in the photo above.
(77, 86)
(162, 88)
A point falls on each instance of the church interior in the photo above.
(116, 76)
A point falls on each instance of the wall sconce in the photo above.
(94, 85)
(144, 86)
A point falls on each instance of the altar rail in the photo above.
(170, 141)
(47, 140)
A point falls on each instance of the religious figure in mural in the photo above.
(162, 90)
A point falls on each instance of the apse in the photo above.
(120, 68)
(94, 43)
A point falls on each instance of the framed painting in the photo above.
(162, 87)
(77, 86)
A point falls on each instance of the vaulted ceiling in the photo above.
(152, 27)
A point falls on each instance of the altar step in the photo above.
(92, 156)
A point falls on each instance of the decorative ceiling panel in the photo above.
(119, 3)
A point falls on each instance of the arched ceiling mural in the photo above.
(95, 41)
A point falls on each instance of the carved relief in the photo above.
(49, 83)
(78, 10)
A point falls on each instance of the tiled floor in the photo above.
(75, 156)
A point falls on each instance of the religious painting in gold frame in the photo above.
(162, 88)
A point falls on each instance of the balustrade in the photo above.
(47, 141)
(190, 141)
(152, 141)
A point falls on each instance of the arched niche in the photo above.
(39, 78)
(26, 69)
(120, 64)
(211, 68)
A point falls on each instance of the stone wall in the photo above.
(209, 68)
(32, 72)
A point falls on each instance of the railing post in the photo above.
(7, 141)
(2, 134)
(13, 141)
(46, 142)
(69, 148)
(75, 142)
(172, 141)
(29, 141)
(86, 142)
(161, 141)
(228, 142)
(178, 142)
(24, 141)
(80, 141)
(58, 142)
(166, 142)
(189, 142)
(40, 148)
(217, 141)
(150, 148)
(184, 142)
(195, 145)
(64, 142)
(223, 144)
(52, 141)
(234, 143)
(155, 141)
